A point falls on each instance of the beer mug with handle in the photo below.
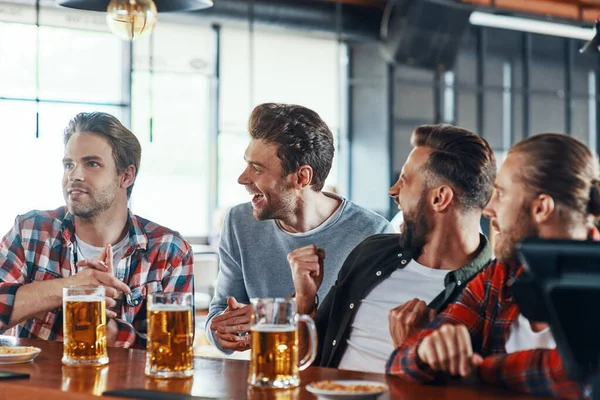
(84, 326)
(274, 343)
(169, 351)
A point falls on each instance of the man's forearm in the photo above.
(36, 298)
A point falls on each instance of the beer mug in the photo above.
(169, 352)
(84, 326)
(274, 343)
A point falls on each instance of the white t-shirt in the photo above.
(521, 337)
(88, 252)
(370, 344)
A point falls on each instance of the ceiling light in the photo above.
(130, 19)
(530, 25)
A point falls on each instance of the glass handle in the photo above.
(312, 352)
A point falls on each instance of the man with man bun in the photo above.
(549, 188)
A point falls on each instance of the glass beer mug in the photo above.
(170, 352)
(274, 343)
(84, 326)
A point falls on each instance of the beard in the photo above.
(416, 228)
(280, 206)
(99, 200)
(505, 246)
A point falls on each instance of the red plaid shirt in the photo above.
(40, 247)
(488, 309)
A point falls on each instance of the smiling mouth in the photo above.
(76, 192)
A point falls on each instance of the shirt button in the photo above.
(378, 273)
(351, 306)
(136, 302)
(459, 282)
(403, 262)
(334, 342)
(399, 255)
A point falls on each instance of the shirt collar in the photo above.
(138, 239)
(482, 258)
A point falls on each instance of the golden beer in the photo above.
(274, 360)
(84, 329)
(170, 341)
(274, 355)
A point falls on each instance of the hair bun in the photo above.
(594, 203)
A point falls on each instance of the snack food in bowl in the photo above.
(18, 354)
(347, 390)
(17, 350)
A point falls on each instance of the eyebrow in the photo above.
(254, 163)
(86, 158)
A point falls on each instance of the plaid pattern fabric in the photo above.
(488, 310)
(40, 247)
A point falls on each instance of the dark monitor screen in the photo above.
(561, 286)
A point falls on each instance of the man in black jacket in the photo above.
(390, 285)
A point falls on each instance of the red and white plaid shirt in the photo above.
(40, 247)
(488, 309)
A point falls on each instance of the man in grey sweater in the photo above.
(288, 159)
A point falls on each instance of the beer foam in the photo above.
(273, 328)
(85, 298)
(168, 307)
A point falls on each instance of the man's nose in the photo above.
(76, 174)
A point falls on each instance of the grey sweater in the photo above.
(253, 254)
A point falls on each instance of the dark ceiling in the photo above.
(361, 19)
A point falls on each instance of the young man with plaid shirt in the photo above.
(94, 240)
(548, 187)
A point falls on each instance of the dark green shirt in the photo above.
(369, 264)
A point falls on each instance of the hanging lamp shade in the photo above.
(161, 5)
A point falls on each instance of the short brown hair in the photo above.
(462, 159)
(303, 138)
(126, 148)
(563, 168)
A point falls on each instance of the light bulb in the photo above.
(130, 19)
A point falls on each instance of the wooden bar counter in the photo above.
(213, 378)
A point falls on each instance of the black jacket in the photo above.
(369, 264)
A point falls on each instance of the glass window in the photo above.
(547, 63)
(80, 66)
(285, 69)
(547, 114)
(36, 162)
(78, 71)
(21, 170)
(467, 110)
(171, 116)
(580, 127)
(17, 76)
(232, 146)
(172, 185)
(493, 127)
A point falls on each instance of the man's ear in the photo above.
(128, 177)
(542, 208)
(441, 197)
(303, 177)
